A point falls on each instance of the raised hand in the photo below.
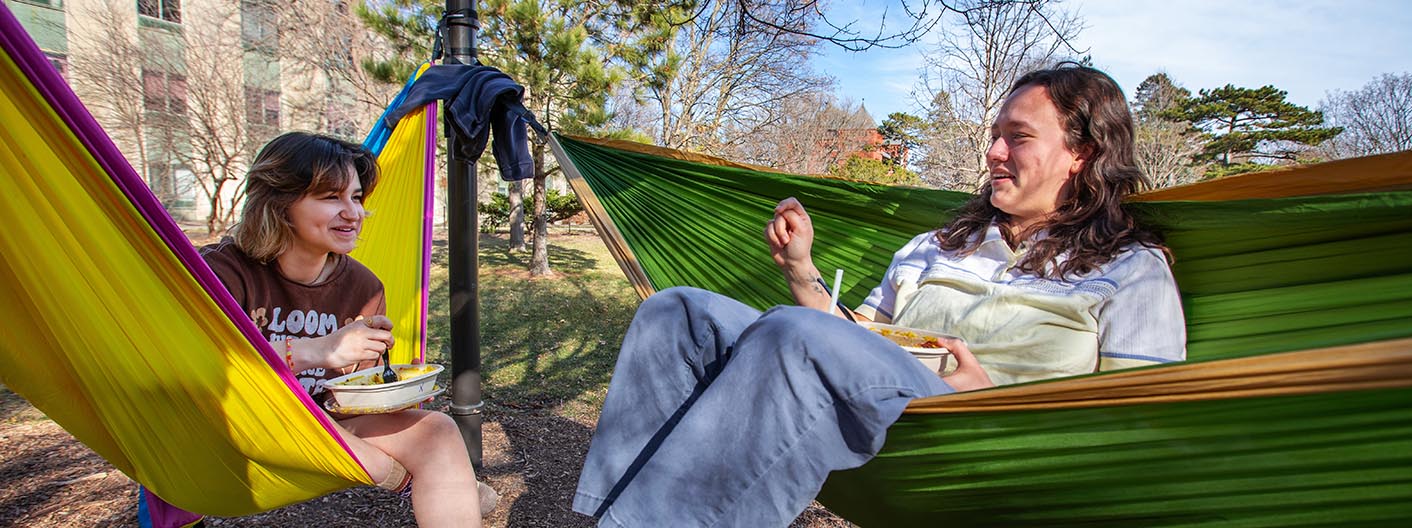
(790, 234)
(361, 340)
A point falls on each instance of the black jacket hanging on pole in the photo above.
(480, 100)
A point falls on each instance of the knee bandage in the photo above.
(397, 480)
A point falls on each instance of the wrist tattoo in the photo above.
(812, 278)
(816, 284)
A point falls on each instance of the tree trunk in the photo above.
(1229, 130)
(215, 214)
(539, 257)
(517, 216)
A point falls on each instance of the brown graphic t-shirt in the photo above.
(284, 309)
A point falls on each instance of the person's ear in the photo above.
(1080, 158)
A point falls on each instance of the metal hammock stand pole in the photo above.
(461, 24)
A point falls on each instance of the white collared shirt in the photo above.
(1023, 327)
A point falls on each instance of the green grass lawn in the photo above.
(545, 342)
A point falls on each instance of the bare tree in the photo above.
(809, 136)
(1165, 147)
(893, 25)
(321, 46)
(729, 72)
(971, 68)
(105, 69)
(950, 153)
(632, 116)
(1376, 118)
(232, 110)
(1164, 151)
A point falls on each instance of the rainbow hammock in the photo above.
(1294, 409)
(117, 330)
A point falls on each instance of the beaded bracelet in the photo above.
(289, 353)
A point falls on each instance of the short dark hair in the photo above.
(1092, 224)
(287, 168)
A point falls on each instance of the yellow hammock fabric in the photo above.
(112, 334)
(396, 239)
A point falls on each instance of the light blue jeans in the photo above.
(718, 415)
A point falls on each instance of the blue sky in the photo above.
(1305, 47)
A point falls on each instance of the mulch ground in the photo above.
(532, 457)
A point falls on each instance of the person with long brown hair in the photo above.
(719, 415)
(1045, 246)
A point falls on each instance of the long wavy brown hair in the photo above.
(1091, 223)
(287, 168)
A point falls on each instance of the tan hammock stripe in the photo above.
(694, 157)
(664, 152)
(607, 230)
(1387, 172)
(1384, 364)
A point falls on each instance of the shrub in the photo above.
(495, 214)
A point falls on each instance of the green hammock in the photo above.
(1294, 409)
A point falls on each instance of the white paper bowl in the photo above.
(933, 358)
(357, 391)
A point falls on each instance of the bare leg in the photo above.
(429, 445)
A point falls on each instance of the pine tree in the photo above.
(409, 26)
(1252, 124)
(904, 128)
(1165, 147)
(568, 54)
(1157, 94)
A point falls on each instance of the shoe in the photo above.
(488, 498)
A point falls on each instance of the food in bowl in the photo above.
(908, 338)
(364, 389)
(404, 372)
(924, 345)
(412, 371)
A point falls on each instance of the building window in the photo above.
(259, 26)
(168, 10)
(59, 62)
(262, 107)
(164, 92)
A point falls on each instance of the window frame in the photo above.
(262, 107)
(164, 92)
(164, 10)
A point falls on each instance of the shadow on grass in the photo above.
(544, 342)
(548, 347)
